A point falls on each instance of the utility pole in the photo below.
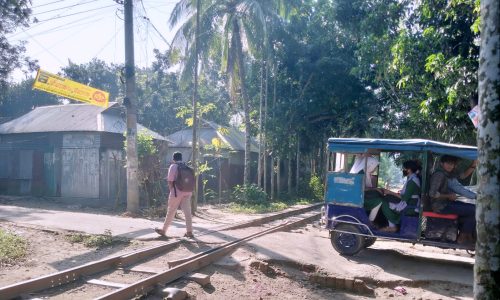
(129, 102)
(195, 109)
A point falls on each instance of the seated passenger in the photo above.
(372, 194)
(443, 200)
(394, 203)
(455, 186)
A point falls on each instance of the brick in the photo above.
(349, 284)
(199, 278)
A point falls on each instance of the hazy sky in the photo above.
(79, 30)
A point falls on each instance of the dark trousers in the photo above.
(466, 215)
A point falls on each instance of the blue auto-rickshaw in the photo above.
(344, 214)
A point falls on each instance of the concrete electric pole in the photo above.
(129, 102)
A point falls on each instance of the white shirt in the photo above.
(359, 164)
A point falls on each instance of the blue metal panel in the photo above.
(351, 214)
(345, 189)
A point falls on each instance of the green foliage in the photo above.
(257, 208)
(12, 247)
(14, 14)
(97, 74)
(96, 240)
(11, 107)
(202, 110)
(145, 145)
(249, 194)
(254, 208)
(316, 186)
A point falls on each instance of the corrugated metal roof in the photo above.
(73, 117)
(234, 138)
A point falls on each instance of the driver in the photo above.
(443, 199)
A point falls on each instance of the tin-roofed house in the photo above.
(226, 163)
(70, 151)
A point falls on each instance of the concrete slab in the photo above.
(383, 261)
(133, 228)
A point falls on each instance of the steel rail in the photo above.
(120, 260)
(198, 261)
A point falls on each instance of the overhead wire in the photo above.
(47, 4)
(109, 41)
(38, 23)
(64, 7)
(59, 41)
(66, 27)
(43, 47)
(145, 17)
(77, 13)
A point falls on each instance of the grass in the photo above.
(266, 207)
(12, 247)
(96, 240)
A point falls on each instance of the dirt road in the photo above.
(293, 258)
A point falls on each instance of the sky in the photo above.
(79, 30)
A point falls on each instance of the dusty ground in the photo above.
(51, 251)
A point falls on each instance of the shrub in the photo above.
(257, 208)
(97, 240)
(12, 247)
(316, 187)
(249, 194)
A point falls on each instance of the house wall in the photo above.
(113, 183)
(80, 165)
(22, 159)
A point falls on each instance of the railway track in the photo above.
(88, 273)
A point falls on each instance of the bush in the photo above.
(96, 241)
(249, 194)
(257, 208)
(12, 247)
(316, 187)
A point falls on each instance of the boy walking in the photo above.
(177, 197)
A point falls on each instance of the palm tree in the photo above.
(236, 29)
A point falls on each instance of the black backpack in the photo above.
(184, 180)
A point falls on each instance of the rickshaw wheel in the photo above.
(369, 241)
(347, 243)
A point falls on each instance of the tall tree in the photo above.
(238, 26)
(96, 73)
(13, 14)
(20, 98)
(487, 266)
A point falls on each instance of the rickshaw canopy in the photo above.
(361, 145)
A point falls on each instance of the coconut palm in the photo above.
(232, 28)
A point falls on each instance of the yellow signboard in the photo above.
(54, 84)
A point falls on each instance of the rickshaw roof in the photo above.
(360, 145)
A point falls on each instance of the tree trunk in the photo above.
(194, 144)
(297, 167)
(259, 162)
(273, 178)
(265, 127)
(246, 105)
(486, 268)
(278, 177)
(289, 175)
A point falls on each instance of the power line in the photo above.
(43, 47)
(71, 35)
(39, 23)
(77, 13)
(108, 42)
(64, 7)
(47, 4)
(145, 17)
(66, 27)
